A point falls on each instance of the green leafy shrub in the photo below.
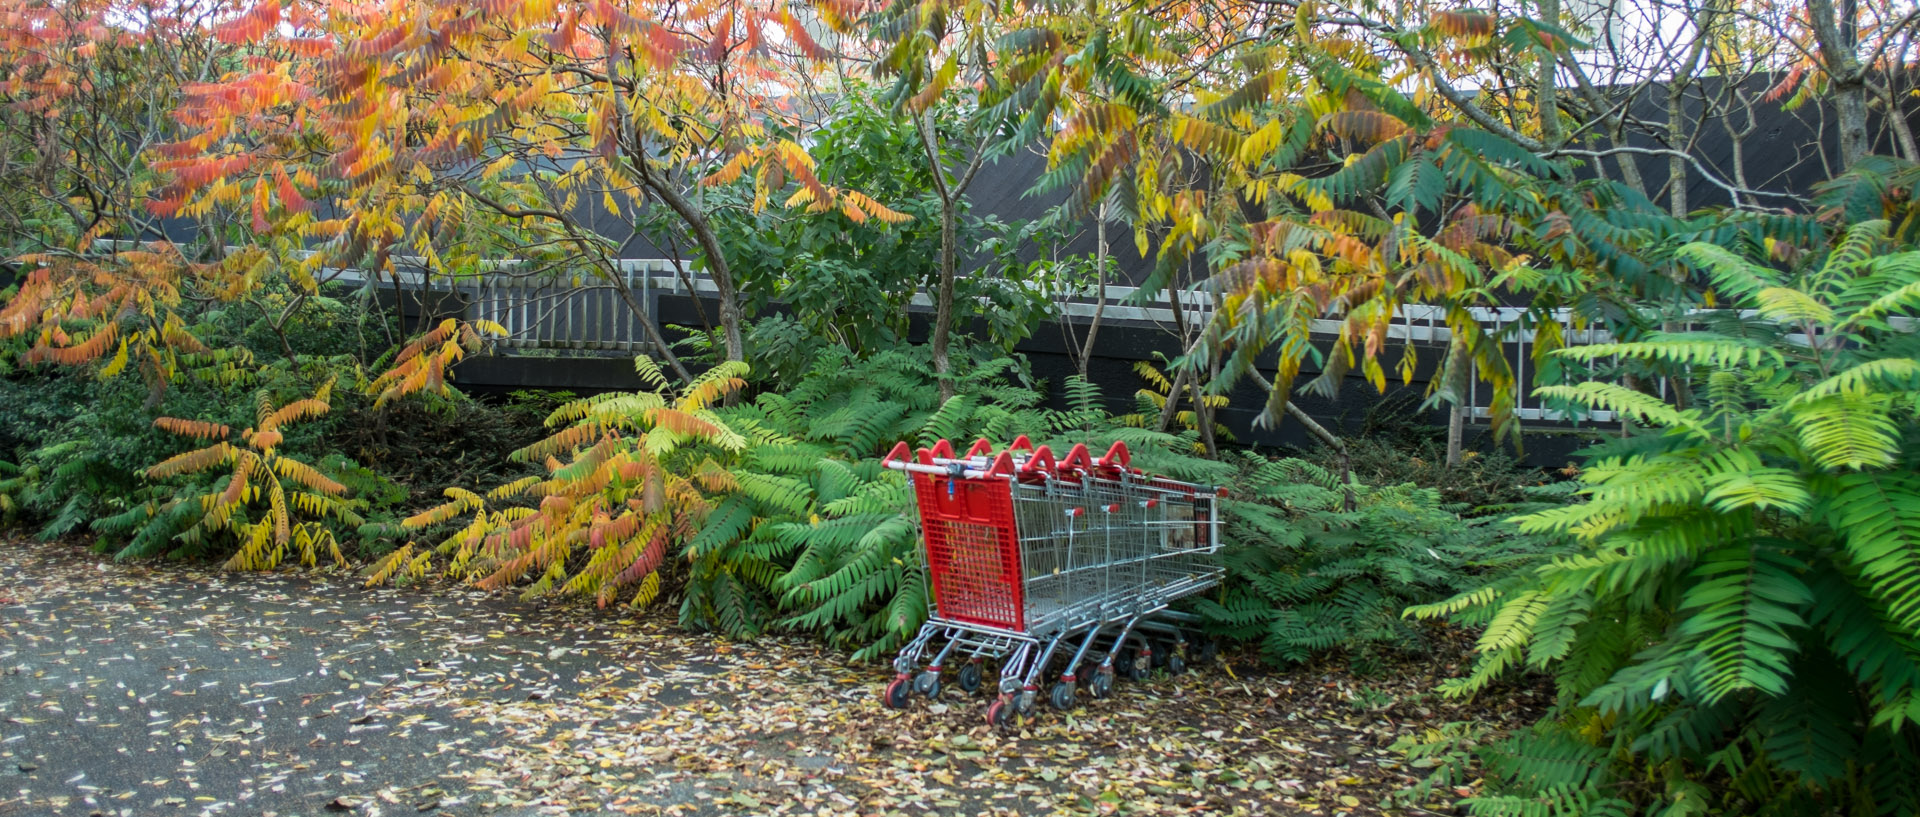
(1306, 577)
(81, 441)
(1736, 633)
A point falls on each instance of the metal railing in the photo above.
(589, 314)
(571, 314)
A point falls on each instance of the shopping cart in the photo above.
(1032, 557)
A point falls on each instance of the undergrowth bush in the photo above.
(1736, 633)
(79, 442)
(1308, 577)
(769, 512)
(773, 512)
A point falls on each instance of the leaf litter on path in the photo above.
(137, 690)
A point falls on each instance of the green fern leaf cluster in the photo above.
(1307, 577)
(1736, 632)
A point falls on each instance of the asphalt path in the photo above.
(162, 689)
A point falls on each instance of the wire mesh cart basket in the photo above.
(1037, 562)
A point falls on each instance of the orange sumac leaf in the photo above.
(853, 202)
(307, 476)
(1365, 126)
(250, 25)
(731, 170)
(290, 197)
(294, 412)
(265, 440)
(309, 46)
(236, 486)
(801, 38)
(198, 429)
(649, 559)
(191, 462)
(566, 440)
(1786, 84)
(436, 515)
(1464, 24)
(680, 422)
(54, 346)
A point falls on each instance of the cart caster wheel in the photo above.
(1101, 685)
(896, 696)
(1209, 650)
(1138, 666)
(1062, 695)
(970, 678)
(928, 684)
(999, 713)
(1026, 702)
(1175, 664)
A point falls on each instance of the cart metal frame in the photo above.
(1030, 558)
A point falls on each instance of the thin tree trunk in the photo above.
(1203, 413)
(1615, 128)
(949, 194)
(696, 220)
(1458, 376)
(1172, 405)
(1837, 33)
(653, 331)
(1100, 302)
(716, 260)
(1180, 379)
(680, 274)
(1850, 114)
(1737, 141)
(1677, 136)
(1902, 132)
(943, 301)
(1679, 131)
(1547, 93)
(601, 262)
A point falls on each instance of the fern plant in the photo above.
(1737, 632)
(1306, 577)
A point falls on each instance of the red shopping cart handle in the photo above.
(1041, 461)
(902, 458)
(980, 447)
(1117, 455)
(1078, 459)
(1021, 443)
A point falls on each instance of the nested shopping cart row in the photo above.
(1040, 563)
